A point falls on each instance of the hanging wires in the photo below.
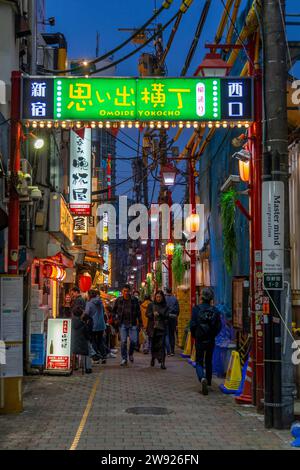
(166, 4)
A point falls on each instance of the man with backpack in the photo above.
(205, 326)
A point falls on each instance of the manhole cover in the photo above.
(144, 410)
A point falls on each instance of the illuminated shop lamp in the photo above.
(122, 125)
(144, 242)
(42, 124)
(129, 124)
(188, 125)
(132, 276)
(49, 124)
(137, 125)
(38, 143)
(143, 284)
(100, 125)
(139, 256)
(134, 269)
(170, 247)
(168, 174)
(213, 66)
(244, 170)
(85, 282)
(192, 223)
(107, 124)
(34, 124)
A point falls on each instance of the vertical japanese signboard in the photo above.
(273, 234)
(59, 345)
(80, 172)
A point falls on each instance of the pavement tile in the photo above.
(54, 407)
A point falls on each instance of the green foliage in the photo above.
(158, 274)
(149, 287)
(228, 199)
(178, 264)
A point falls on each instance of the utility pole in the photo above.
(279, 387)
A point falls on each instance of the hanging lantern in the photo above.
(193, 223)
(85, 282)
(170, 249)
(244, 170)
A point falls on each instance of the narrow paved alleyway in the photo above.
(89, 412)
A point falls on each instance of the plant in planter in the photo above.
(158, 274)
(178, 264)
(228, 208)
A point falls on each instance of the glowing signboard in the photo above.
(140, 99)
(80, 171)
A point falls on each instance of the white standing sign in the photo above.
(11, 308)
(80, 171)
(273, 234)
(59, 345)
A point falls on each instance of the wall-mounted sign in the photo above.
(80, 225)
(59, 345)
(143, 99)
(60, 219)
(273, 234)
(80, 171)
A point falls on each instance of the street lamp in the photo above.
(243, 156)
(213, 66)
(192, 223)
(168, 173)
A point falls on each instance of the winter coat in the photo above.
(159, 324)
(79, 339)
(206, 323)
(144, 307)
(135, 314)
(78, 302)
(94, 308)
(173, 305)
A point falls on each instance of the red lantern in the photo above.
(85, 282)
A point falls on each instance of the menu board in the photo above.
(11, 308)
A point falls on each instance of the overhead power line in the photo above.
(166, 4)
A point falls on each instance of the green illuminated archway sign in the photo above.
(137, 99)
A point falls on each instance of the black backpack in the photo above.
(208, 323)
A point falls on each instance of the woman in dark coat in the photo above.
(158, 314)
(81, 332)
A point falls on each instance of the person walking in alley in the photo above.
(80, 337)
(158, 315)
(205, 326)
(127, 312)
(173, 305)
(94, 308)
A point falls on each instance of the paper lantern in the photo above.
(193, 223)
(170, 249)
(85, 282)
(244, 170)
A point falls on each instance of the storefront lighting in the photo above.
(56, 124)
(39, 143)
(188, 125)
(225, 125)
(107, 125)
(100, 125)
(144, 242)
(166, 125)
(122, 124)
(151, 125)
(134, 269)
(34, 124)
(49, 124)
(240, 125)
(203, 125)
(42, 124)
(180, 125)
(64, 124)
(130, 125)
(158, 125)
(195, 125)
(247, 125)
(137, 125)
(78, 124)
(218, 125)
(210, 125)
(93, 124)
(85, 63)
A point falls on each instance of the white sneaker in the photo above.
(111, 355)
(114, 351)
(123, 363)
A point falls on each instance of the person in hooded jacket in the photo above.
(205, 325)
(94, 308)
